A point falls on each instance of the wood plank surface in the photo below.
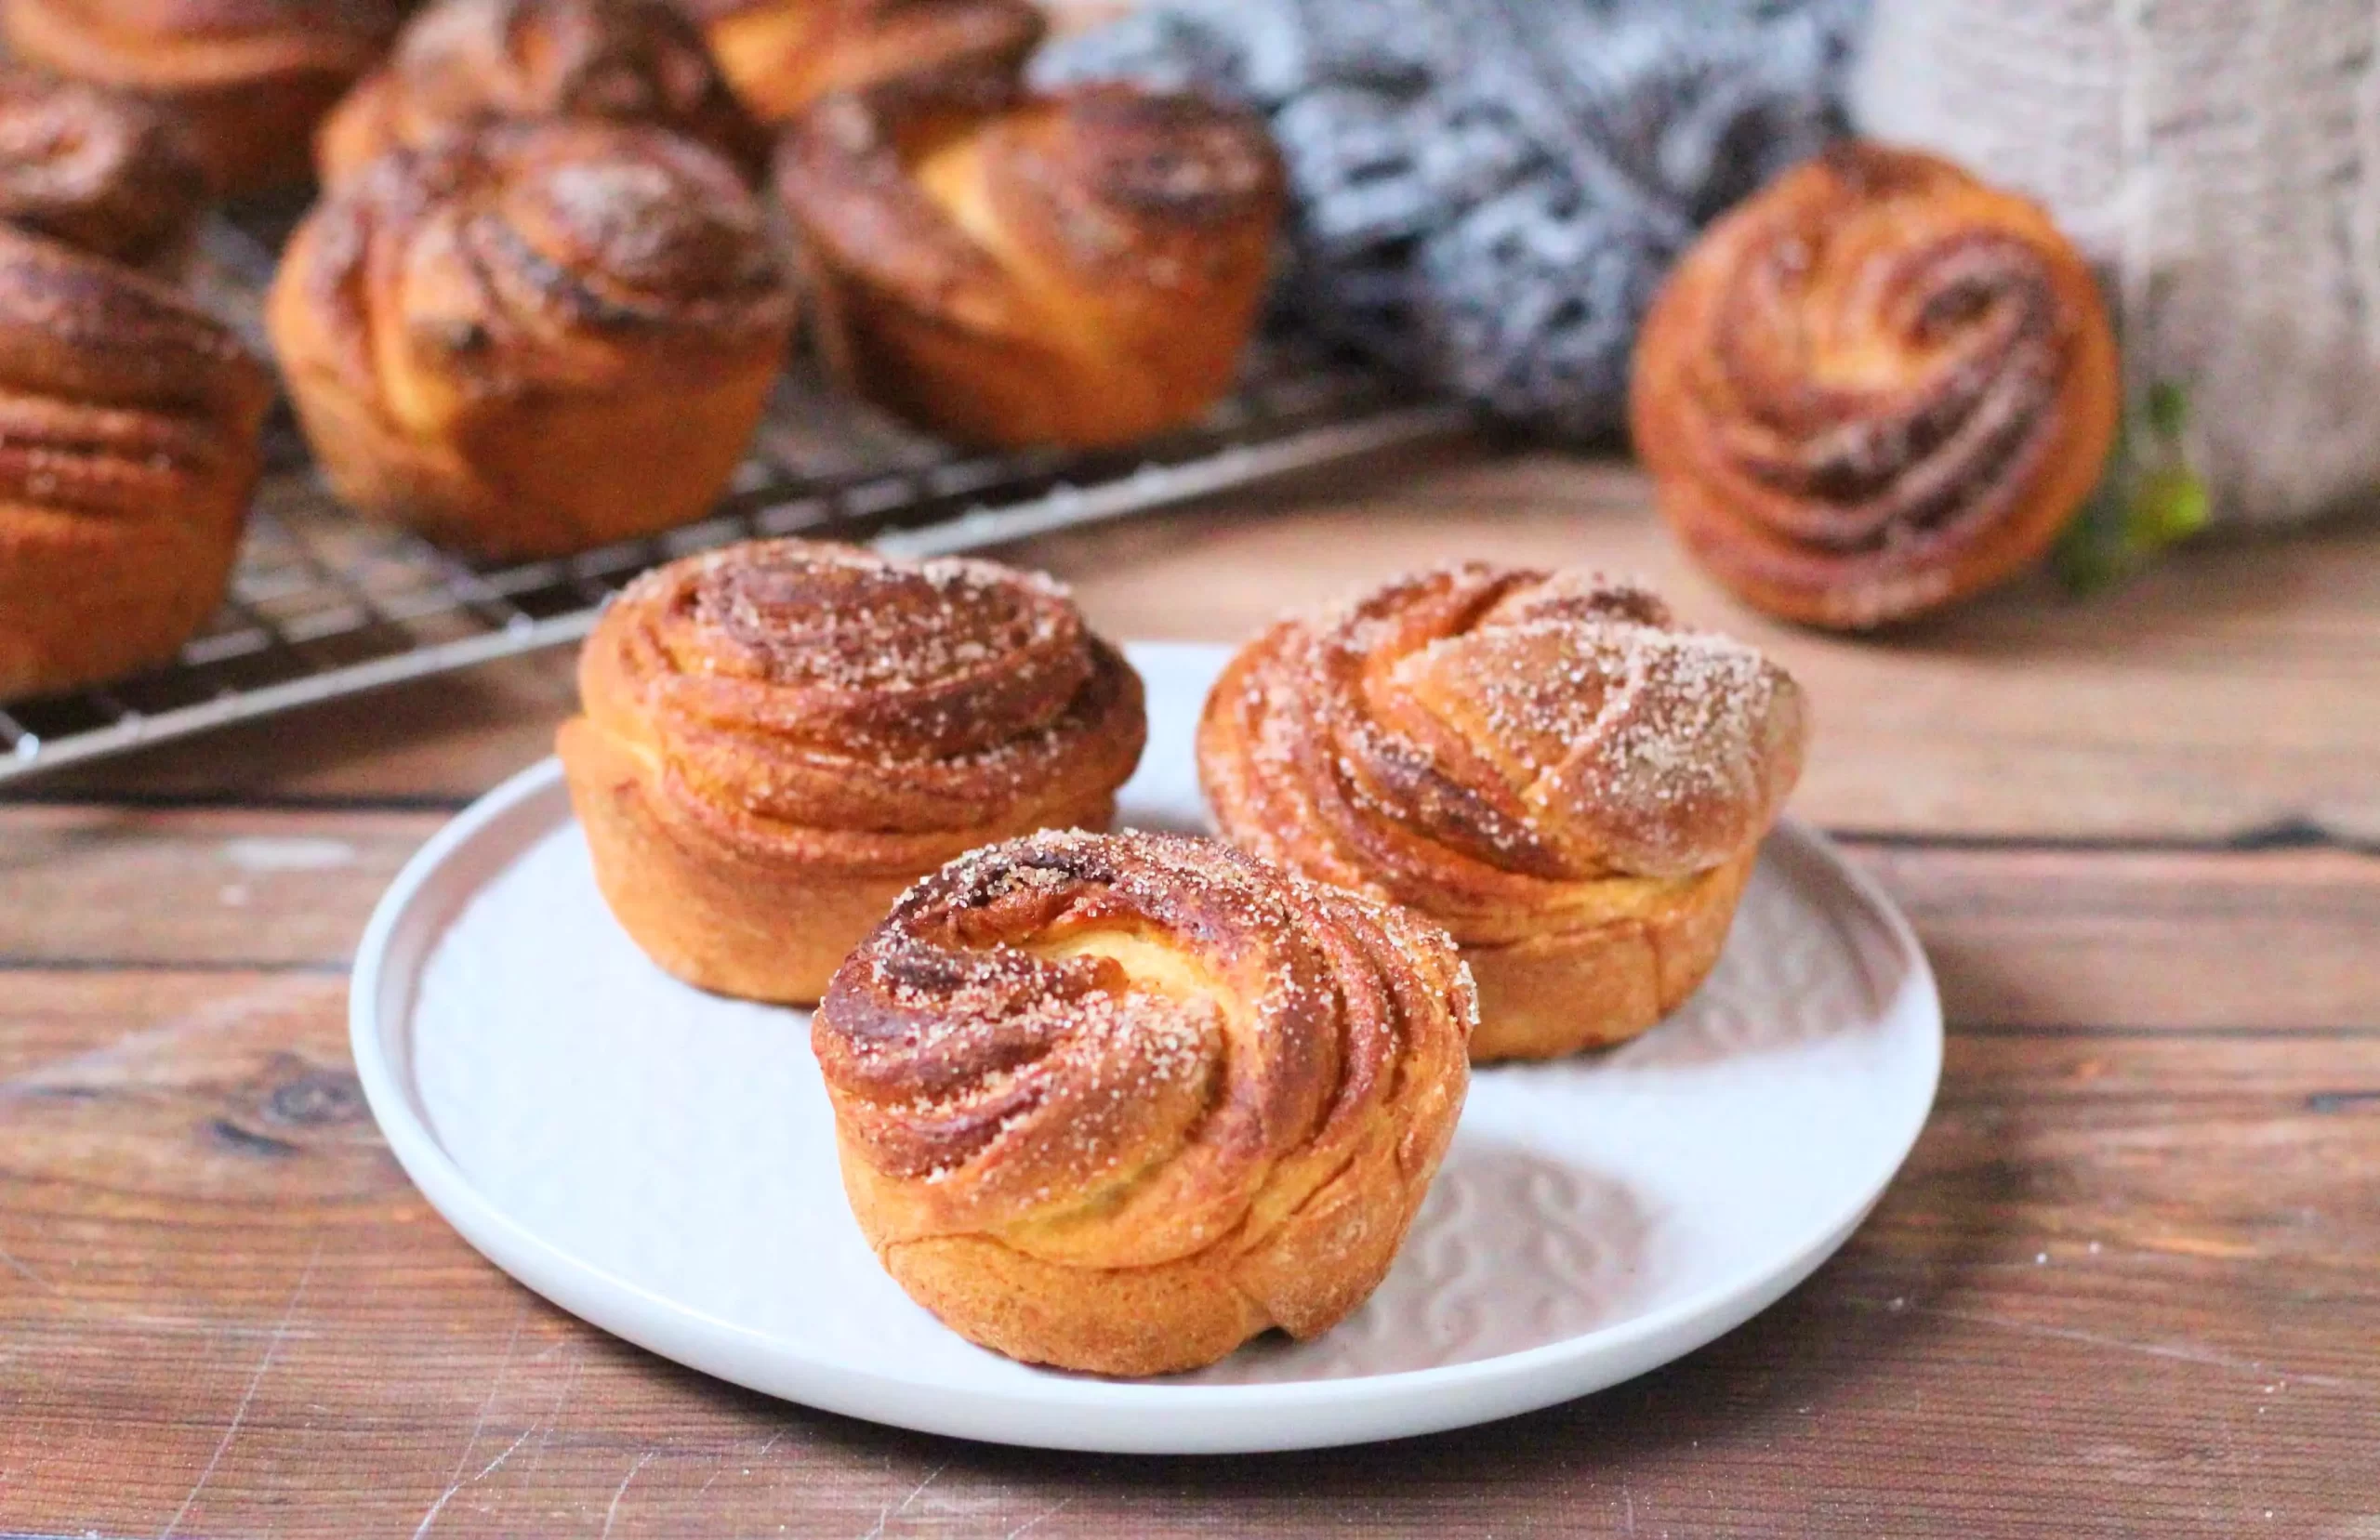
(2231, 691)
(2018, 935)
(2124, 1286)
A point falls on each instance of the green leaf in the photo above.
(2168, 410)
(2148, 498)
(2167, 503)
(2083, 563)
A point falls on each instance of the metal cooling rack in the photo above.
(324, 604)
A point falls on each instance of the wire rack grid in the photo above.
(324, 604)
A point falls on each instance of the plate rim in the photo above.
(1066, 1411)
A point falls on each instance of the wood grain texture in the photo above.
(2122, 1287)
(2280, 939)
(2126, 1285)
(2232, 691)
(2228, 691)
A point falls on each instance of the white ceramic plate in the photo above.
(660, 1161)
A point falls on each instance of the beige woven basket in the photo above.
(2220, 159)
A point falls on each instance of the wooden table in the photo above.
(2129, 1282)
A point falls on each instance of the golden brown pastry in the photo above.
(1076, 268)
(780, 736)
(1543, 762)
(247, 78)
(1119, 1102)
(533, 339)
(464, 64)
(1874, 389)
(99, 170)
(783, 55)
(128, 446)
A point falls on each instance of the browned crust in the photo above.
(96, 169)
(783, 55)
(1875, 389)
(128, 447)
(1082, 268)
(780, 736)
(1079, 1158)
(247, 79)
(1564, 989)
(1543, 762)
(464, 64)
(471, 331)
(711, 909)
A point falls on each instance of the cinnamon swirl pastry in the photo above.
(1078, 268)
(1545, 763)
(463, 64)
(1874, 389)
(1119, 1102)
(783, 55)
(96, 169)
(781, 736)
(475, 332)
(247, 78)
(128, 446)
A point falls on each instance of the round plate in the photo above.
(661, 1162)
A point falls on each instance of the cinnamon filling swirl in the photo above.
(1874, 389)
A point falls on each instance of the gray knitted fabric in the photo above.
(1488, 190)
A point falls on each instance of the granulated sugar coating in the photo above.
(1545, 763)
(1067, 1017)
(817, 686)
(803, 612)
(1555, 726)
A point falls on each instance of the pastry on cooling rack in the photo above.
(247, 78)
(128, 447)
(1121, 1102)
(783, 55)
(535, 338)
(1544, 762)
(463, 64)
(780, 736)
(96, 169)
(1876, 388)
(1080, 269)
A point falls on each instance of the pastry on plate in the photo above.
(1874, 389)
(1080, 267)
(248, 79)
(1121, 1102)
(464, 64)
(783, 55)
(535, 338)
(129, 421)
(780, 736)
(1545, 763)
(96, 169)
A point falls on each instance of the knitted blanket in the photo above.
(2221, 160)
(1487, 191)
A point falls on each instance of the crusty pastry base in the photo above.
(1156, 1319)
(942, 296)
(248, 108)
(1152, 1320)
(84, 600)
(1561, 966)
(1564, 991)
(1097, 1201)
(536, 478)
(721, 915)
